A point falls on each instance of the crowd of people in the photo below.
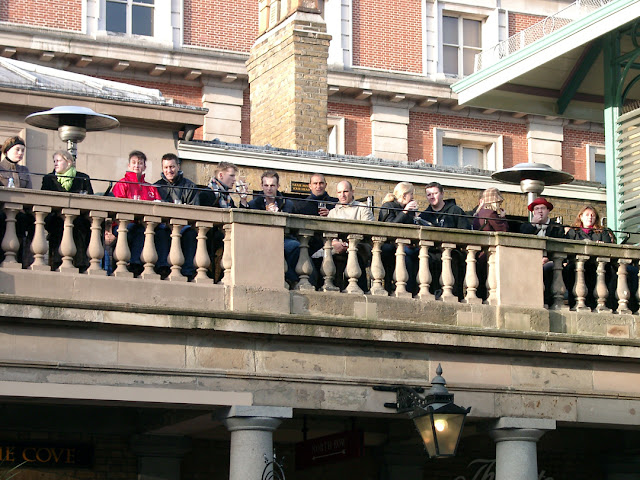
(400, 206)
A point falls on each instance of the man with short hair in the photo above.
(218, 194)
(134, 186)
(272, 200)
(542, 226)
(220, 188)
(175, 188)
(445, 214)
(319, 202)
(441, 212)
(350, 209)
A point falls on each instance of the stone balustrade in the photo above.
(505, 267)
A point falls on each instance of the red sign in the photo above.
(332, 448)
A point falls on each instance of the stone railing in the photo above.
(506, 267)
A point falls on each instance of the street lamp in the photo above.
(72, 123)
(439, 421)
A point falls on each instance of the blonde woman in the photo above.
(399, 206)
(490, 217)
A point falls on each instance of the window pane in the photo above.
(450, 60)
(601, 175)
(142, 20)
(450, 30)
(472, 157)
(469, 59)
(450, 155)
(471, 33)
(116, 17)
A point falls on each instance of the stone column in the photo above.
(159, 456)
(251, 438)
(224, 99)
(390, 129)
(516, 438)
(293, 50)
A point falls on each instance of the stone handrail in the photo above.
(253, 259)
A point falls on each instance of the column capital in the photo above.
(520, 429)
(253, 417)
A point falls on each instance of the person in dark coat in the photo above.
(445, 214)
(400, 207)
(542, 226)
(588, 227)
(318, 204)
(12, 174)
(65, 178)
(175, 188)
(272, 200)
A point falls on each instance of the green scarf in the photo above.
(66, 178)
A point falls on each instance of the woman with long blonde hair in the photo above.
(399, 206)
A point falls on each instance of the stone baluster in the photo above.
(352, 269)
(122, 252)
(447, 278)
(580, 288)
(622, 290)
(149, 255)
(492, 280)
(557, 285)
(176, 258)
(39, 245)
(201, 259)
(328, 265)
(401, 274)
(471, 277)
(424, 273)
(10, 241)
(67, 245)
(96, 245)
(304, 267)
(601, 291)
(227, 259)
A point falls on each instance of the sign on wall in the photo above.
(43, 454)
(329, 449)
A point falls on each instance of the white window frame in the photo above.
(167, 23)
(491, 144)
(335, 135)
(337, 16)
(592, 152)
(492, 20)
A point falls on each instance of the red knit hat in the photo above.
(540, 201)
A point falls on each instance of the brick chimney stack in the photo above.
(288, 76)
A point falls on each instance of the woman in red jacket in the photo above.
(134, 186)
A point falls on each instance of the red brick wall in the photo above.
(421, 135)
(574, 151)
(245, 133)
(520, 21)
(181, 94)
(387, 34)
(43, 13)
(357, 126)
(224, 24)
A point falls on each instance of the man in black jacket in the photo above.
(445, 214)
(318, 203)
(175, 188)
(542, 226)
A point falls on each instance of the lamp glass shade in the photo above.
(440, 432)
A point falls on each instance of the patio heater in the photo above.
(532, 178)
(72, 123)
